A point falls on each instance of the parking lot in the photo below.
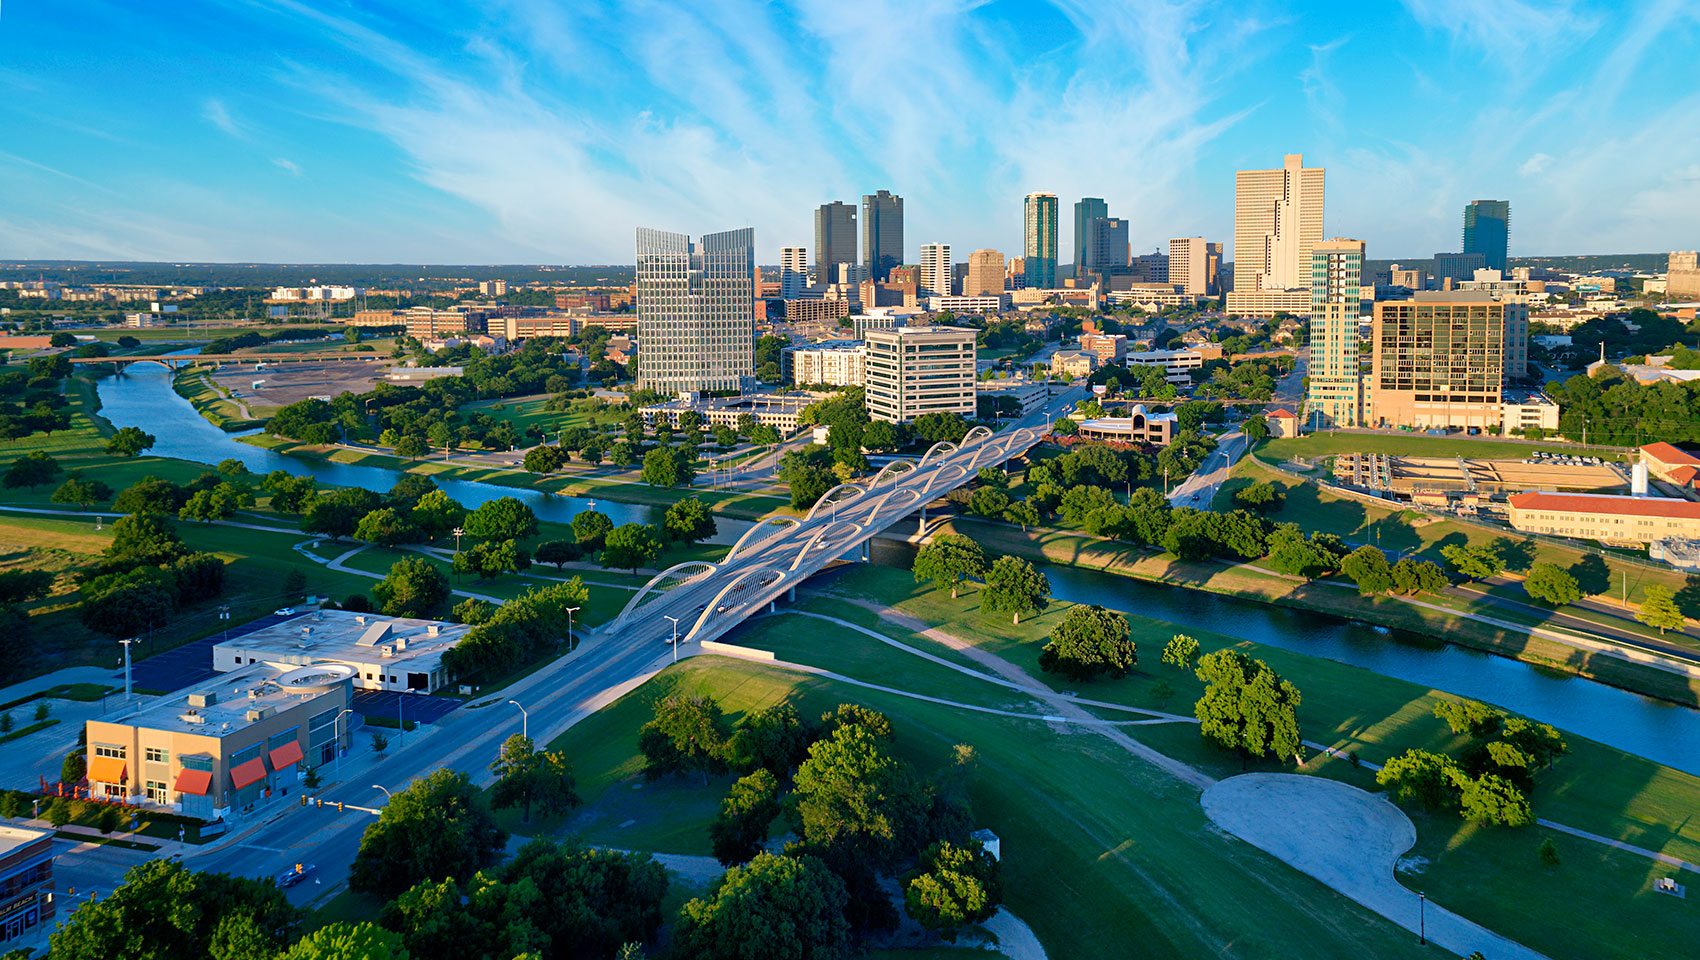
(287, 383)
(191, 663)
(411, 706)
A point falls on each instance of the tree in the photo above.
(59, 812)
(491, 558)
(346, 941)
(953, 887)
(165, 911)
(1493, 800)
(774, 908)
(385, 527)
(438, 827)
(413, 588)
(1659, 609)
(526, 776)
(1180, 651)
(1247, 706)
(83, 493)
(857, 805)
(1411, 575)
(124, 604)
(1260, 496)
(746, 814)
(1091, 641)
(949, 559)
(504, 518)
(1256, 428)
(129, 442)
(775, 738)
(543, 459)
(630, 546)
(74, 768)
(689, 521)
(688, 733)
(589, 527)
(289, 494)
(1014, 587)
(436, 514)
(667, 467)
(336, 514)
(19, 586)
(1368, 568)
(31, 471)
(1422, 777)
(1552, 584)
(1547, 852)
(1022, 512)
(1475, 561)
(412, 446)
(380, 743)
(557, 552)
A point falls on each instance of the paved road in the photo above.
(1290, 389)
(1200, 488)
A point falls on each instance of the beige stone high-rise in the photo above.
(985, 274)
(1277, 220)
(1682, 277)
(1195, 265)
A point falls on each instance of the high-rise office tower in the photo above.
(1040, 247)
(935, 270)
(1086, 210)
(1487, 231)
(1016, 273)
(985, 274)
(835, 238)
(1440, 359)
(882, 233)
(1336, 391)
(1106, 248)
(1277, 219)
(1195, 264)
(914, 371)
(793, 271)
(696, 310)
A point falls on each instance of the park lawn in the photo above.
(1099, 850)
(197, 331)
(196, 386)
(1328, 444)
(531, 411)
(605, 602)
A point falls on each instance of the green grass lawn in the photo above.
(1326, 444)
(196, 385)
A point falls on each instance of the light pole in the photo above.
(675, 636)
(387, 794)
(524, 720)
(570, 612)
(337, 724)
(126, 644)
(224, 617)
(1422, 918)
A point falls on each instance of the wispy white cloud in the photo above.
(216, 113)
(1535, 165)
(1508, 29)
(1321, 92)
(287, 164)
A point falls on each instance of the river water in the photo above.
(1654, 729)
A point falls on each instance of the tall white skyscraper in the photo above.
(696, 310)
(793, 271)
(935, 270)
(1277, 220)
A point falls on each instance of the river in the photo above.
(1659, 731)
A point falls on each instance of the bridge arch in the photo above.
(675, 572)
(890, 470)
(716, 605)
(908, 495)
(928, 456)
(976, 435)
(827, 498)
(820, 535)
(760, 525)
(961, 474)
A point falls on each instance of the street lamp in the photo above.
(386, 792)
(570, 612)
(224, 616)
(524, 722)
(675, 636)
(1422, 918)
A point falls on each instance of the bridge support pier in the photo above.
(773, 607)
(793, 594)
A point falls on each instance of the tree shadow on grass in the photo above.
(1592, 575)
(1518, 554)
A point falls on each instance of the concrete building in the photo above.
(584, 300)
(985, 274)
(1682, 276)
(1414, 278)
(1605, 517)
(1195, 266)
(935, 277)
(1152, 297)
(835, 240)
(1075, 363)
(1039, 247)
(1140, 426)
(1455, 267)
(1086, 210)
(1150, 267)
(1672, 464)
(1487, 231)
(1336, 397)
(696, 310)
(882, 233)
(1106, 250)
(1439, 361)
(919, 370)
(1027, 394)
(1277, 219)
(834, 363)
(991, 303)
(780, 411)
(386, 653)
(1107, 347)
(1177, 364)
(1015, 277)
(793, 272)
(493, 288)
(1527, 411)
(26, 882)
(1267, 303)
(799, 312)
(233, 746)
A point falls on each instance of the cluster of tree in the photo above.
(1490, 779)
(1090, 642)
(1011, 584)
(1246, 380)
(31, 400)
(517, 632)
(860, 813)
(1612, 408)
(246, 339)
(670, 466)
(1144, 381)
(18, 587)
(767, 356)
(143, 576)
(1246, 707)
(1367, 567)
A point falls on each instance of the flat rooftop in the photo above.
(13, 839)
(346, 636)
(221, 705)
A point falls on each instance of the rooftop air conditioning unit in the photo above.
(432, 630)
(254, 694)
(191, 717)
(258, 713)
(204, 699)
(400, 644)
(360, 618)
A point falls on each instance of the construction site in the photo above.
(1466, 484)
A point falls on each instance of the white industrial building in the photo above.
(387, 653)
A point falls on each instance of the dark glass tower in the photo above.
(1487, 231)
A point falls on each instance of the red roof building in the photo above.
(1594, 516)
(1282, 422)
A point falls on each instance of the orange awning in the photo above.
(106, 769)
(287, 754)
(251, 772)
(197, 782)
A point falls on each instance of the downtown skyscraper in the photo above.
(936, 273)
(696, 310)
(1487, 231)
(1277, 220)
(1039, 249)
(835, 239)
(1086, 210)
(793, 271)
(1336, 383)
(882, 234)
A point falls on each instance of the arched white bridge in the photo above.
(707, 599)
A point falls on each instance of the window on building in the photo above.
(158, 792)
(198, 762)
(155, 755)
(107, 750)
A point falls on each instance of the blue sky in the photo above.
(543, 131)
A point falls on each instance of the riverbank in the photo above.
(196, 385)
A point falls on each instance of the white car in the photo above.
(284, 612)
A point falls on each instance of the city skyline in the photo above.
(528, 132)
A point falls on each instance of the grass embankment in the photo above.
(1327, 444)
(212, 401)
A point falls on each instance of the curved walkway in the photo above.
(1349, 840)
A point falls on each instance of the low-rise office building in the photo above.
(919, 370)
(1029, 395)
(1177, 364)
(1139, 426)
(1267, 303)
(26, 881)
(1521, 413)
(236, 744)
(977, 303)
(835, 363)
(1605, 517)
(1075, 363)
(1108, 347)
(387, 653)
(780, 411)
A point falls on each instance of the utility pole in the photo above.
(127, 687)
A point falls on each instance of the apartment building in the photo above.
(918, 370)
(835, 363)
(935, 276)
(802, 312)
(1336, 395)
(1195, 266)
(793, 272)
(1108, 347)
(1439, 361)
